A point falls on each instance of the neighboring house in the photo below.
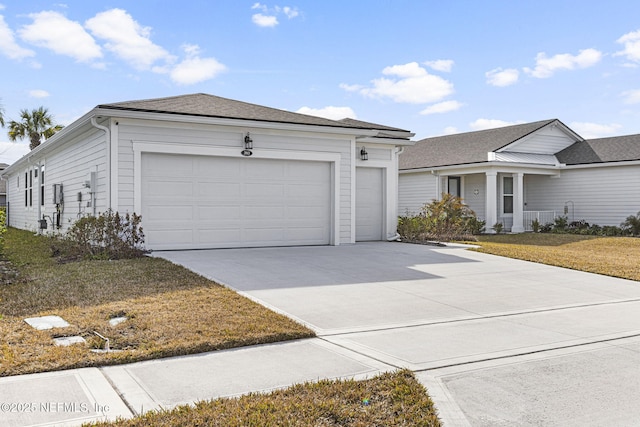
(520, 173)
(3, 187)
(210, 172)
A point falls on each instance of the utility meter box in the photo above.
(57, 194)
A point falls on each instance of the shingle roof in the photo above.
(464, 148)
(368, 125)
(602, 150)
(202, 104)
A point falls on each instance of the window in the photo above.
(453, 186)
(31, 187)
(41, 185)
(507, 195)
(26, 189)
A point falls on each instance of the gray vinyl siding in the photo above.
(70, 165)
(415, 190)
(217, 136)
(599, 195)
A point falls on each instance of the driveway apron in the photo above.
(496, 341)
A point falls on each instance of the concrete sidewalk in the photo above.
(496, 341)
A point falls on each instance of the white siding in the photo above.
(217, 136)
(414, 190)
(599, 195)
(549, 140)
(477, 202)
(70, 165)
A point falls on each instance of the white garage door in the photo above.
(369, 204)
(222, 202)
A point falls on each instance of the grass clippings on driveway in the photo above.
(170, 311)
(610, 256)
(390, 399)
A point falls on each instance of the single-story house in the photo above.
(517, 174)
(3, 187)
(210, 172)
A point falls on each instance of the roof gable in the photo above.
(548, 140)
(465, 148)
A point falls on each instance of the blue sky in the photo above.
(432, 67)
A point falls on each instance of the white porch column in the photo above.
(491, 210)
(518, 203)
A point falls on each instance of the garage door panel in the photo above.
(235, 202)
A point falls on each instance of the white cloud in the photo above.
(194, 69)
(10, 152)
(268, 17)
(546, 67)
(8, 45)
(442, 107)
(482, 124)
(55, 32)
(330, 112)
(290, 12)
(408, 83)
(443, 65)
(631, 42)
(38, 93)
(264, 20)
(594, 130)
(632, 96)
(501, 78)
(2, 7)
(127, 39)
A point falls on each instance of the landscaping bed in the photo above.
(169, 310)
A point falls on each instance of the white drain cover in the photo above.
(47, 322)
(65, 341)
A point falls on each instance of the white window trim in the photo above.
(503, 194)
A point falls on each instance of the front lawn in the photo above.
(611, 256)
(391, 399)
(170, 311)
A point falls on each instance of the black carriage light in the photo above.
(363, 154)
(248, 142)
(248, 145)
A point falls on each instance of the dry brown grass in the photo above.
(611, 256)
(391, 399)
(171, 311)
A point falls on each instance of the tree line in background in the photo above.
(37, 125)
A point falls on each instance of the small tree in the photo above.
(632, 225)
(35, 125)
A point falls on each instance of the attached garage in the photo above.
(224, 202)
(210, 172)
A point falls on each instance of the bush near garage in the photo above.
(446, 219)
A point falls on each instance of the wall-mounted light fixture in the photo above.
(248, 145)
(363, 154)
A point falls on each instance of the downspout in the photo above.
(107, 135)
(396, 236)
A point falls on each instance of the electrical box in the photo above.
(57, 194)
(90, 182)
(79, 196)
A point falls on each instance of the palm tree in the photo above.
(1, 116)
(36, 125)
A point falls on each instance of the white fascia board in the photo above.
(386, 141)
(472, 168)
(183, 118)
(602, 165)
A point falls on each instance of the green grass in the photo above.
(610, 256)
(171, 311)
(391, 399)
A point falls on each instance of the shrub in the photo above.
(3, 227)
(106, 236)
(497, 227)
(441, 220)
(535, 225)
(560, 224)
(631, 225)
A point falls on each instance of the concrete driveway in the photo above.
(496, 341)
